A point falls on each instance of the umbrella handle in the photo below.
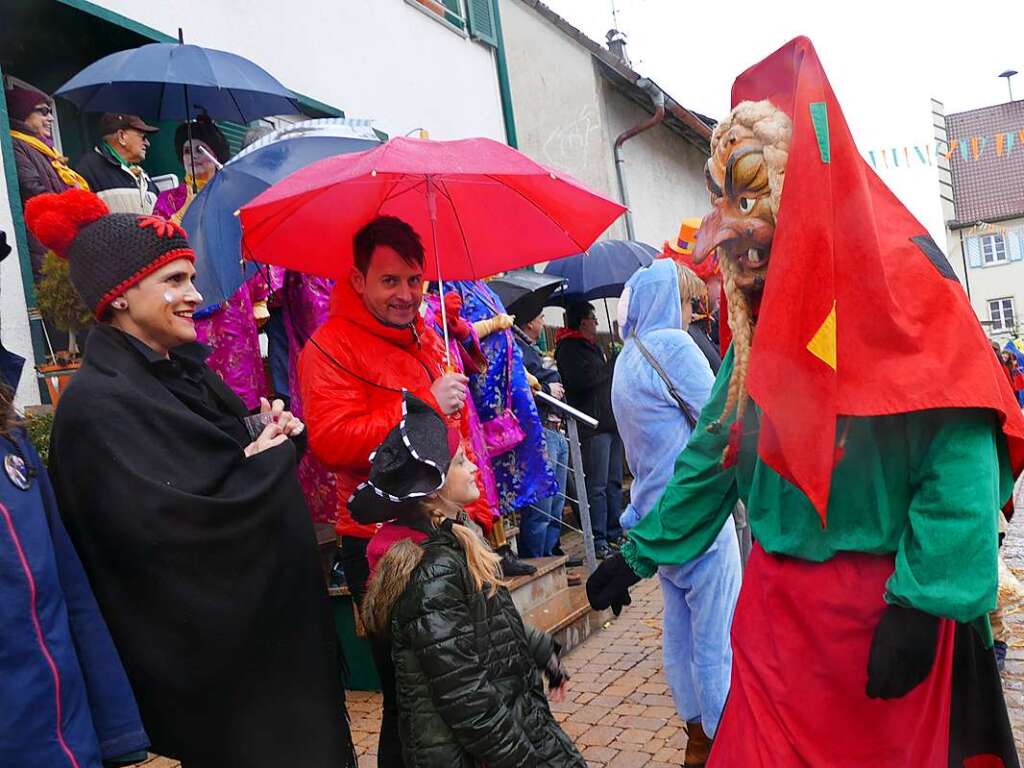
(432, 209)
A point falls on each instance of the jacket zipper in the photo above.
(39, 630)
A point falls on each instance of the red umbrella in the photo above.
(496, 209)
(480, 206)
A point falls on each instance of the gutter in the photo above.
(658, 99)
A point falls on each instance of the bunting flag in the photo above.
(971, 149)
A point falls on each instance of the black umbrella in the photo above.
(525, 292)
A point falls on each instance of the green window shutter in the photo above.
(234, 133)
(480, 14)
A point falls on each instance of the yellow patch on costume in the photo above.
(823, 344)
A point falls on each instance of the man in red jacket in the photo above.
(373, 346)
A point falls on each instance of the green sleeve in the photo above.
(697, 500)
(946, 562)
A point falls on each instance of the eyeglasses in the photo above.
(44, 110)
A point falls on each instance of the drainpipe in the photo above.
(658, 99)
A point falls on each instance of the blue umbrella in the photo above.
(601, 272)
(211, 221)
(172, 81)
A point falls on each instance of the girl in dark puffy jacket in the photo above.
(468, 671)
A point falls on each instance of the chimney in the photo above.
(617, 45)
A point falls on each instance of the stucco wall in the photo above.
(664, 173)
(557, 98)
(380, 59)
(568, 116)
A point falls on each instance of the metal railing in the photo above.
(572, 418)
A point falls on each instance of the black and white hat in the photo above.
(411, 463)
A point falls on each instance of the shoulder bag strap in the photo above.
(683, 405)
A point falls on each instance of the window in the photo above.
(448, 11)
(993, 249)
(1000, 312)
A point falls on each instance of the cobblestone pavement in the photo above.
(1013, 676)
(619, 710)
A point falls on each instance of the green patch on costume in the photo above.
(819, 119)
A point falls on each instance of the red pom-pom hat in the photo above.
(108, 252)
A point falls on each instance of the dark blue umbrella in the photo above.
(211, 221)
(524, 292)
(601, 272)
(172, 81)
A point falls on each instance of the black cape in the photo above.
(205, 566)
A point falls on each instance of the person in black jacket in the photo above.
(587, 376)
(113, 168)
(540, 523)
(187, 513)
(470, 690)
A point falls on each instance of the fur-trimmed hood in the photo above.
(388, 584)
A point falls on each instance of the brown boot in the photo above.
(698, 746)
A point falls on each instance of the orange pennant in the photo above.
(952, 148)
(974, 147)
(1000, 138)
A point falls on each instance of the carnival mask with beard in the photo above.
(744, 177)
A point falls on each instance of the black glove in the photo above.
(608, 586)
(902, 652)
(555, 673)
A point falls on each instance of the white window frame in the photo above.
(994, 249)
(997, 312)
(432, 8)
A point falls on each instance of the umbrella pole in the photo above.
(608, 317)
(188, 124)
(432, 209)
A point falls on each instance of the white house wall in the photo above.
(14, 325)
(993, 281)
(381, 59)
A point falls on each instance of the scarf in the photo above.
(133, 168)
(179, 214)
(59, 162)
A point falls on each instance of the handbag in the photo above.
(691, 417)
(504, 432)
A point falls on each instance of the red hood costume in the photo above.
(860, 633)
(861, 305)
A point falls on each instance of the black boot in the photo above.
(511, 565)
(572, 562)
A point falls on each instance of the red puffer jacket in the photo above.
(349, 409)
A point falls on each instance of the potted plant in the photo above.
(61, 307)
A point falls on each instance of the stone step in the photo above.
(530, 591)
(567, 616)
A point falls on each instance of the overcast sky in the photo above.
(885, 60)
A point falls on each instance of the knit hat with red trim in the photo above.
(109, 252)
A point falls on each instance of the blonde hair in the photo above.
(773, 128)
(690, 286)
(484, 564)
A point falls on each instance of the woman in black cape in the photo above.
(194, 535)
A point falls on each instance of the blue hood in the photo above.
(652, 427)
(653, 299)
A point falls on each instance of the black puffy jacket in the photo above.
(587, 377)
(470, 691)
